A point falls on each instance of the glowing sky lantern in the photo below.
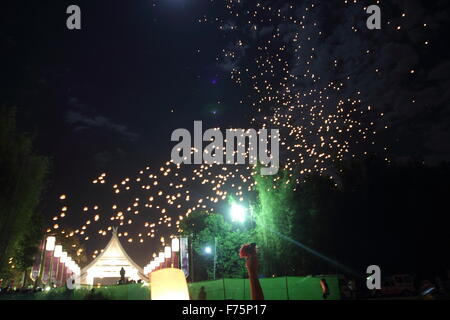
(168, 284)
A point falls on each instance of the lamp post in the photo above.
(208, 250)
(191, 256)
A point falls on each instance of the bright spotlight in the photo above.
(208, 250)
(237, 212)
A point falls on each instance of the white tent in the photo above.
(105, 269)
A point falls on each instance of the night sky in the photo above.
(105, 99)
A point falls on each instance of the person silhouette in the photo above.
(325, 289)
(248, 251)
(122, 276)
(202, 294)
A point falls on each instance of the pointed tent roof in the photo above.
(114, 249)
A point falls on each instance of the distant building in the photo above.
(105, 269)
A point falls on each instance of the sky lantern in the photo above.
(168, 284)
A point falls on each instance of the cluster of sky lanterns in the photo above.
(319, 126)
(170, 199)
(172, 206)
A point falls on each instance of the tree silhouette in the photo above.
(22, 179)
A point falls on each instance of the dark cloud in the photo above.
(103, 158)
(233, 56)
(80, 121)
(265, 31)
(229, 26)
(74, 103)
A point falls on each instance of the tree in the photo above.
(27, 247)
(22, 179)
(206, 229)
(291, 217)
(316, 223)
(274, 215)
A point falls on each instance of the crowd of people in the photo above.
(11, 289)
(248, 251)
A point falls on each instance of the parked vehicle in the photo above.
(397, 285)
(347, 287)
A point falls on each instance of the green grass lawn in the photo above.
(284, 288)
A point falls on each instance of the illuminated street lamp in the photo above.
(208, 250)
(237, 212)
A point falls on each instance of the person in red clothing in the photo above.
(325, 289)
(248, 251)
